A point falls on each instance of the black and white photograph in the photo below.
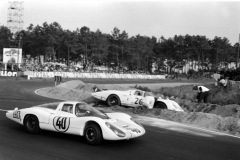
(119, 79)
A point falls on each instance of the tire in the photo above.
(31, 124)
(93, 134)
(113, 100)
(160, 105)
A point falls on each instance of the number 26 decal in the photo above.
(138, 101)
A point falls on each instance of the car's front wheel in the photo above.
(93, 134)
(113, 100)
(31, 124)
(160, 105)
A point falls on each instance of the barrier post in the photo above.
(57, 79)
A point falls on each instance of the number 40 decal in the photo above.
(61, 124)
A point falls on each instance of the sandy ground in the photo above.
(78, 91)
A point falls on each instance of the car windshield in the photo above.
(83, 109)
(138, 93)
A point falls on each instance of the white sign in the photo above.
(8, 74)
(12, 55)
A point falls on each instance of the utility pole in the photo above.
(85, 54)
(238, 51)
(19, 42)
(68, 57)
(122, 58)
(117, 61)
(19, 45)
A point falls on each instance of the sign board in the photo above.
(12, 55)
(8, 74)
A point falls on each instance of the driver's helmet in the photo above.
(70, 109)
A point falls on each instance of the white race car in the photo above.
(135, 98)
(78, 118)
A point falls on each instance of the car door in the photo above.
(81, 115)
(61, 120)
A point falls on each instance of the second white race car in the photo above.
(135, 98)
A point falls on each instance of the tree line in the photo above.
(117, 49)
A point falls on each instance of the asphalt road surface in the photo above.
(156, 144)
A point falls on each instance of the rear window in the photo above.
(49, 105)
(67, 108)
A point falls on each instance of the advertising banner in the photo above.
(91, 75)
(12, 55)
(8, 74)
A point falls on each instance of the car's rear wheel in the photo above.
(113, 100)
(31, 124)
(160, 105)
(93, 134)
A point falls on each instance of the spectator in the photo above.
(223, 82)
(203, 93)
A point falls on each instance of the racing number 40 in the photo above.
(61, 122)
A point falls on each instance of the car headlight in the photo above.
(117, 131)
(136, 122)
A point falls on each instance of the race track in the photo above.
(157, 144)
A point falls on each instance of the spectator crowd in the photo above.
(60, 67)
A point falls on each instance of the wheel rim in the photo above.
(114, 101)
(91, 134)
(32, 123)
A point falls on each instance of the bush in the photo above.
(140, 110)
(157, 112)
(209, 108)
(220, 100)
(237, 78)
(227, 111)
(218, 95)
(142, 88)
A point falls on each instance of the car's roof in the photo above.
(136, 90)
(129, 90)
(72, 102)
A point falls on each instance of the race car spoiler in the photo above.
(4, 110)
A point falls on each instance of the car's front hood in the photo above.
(171, 105)
(126, 127)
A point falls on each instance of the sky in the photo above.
(145, 17)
